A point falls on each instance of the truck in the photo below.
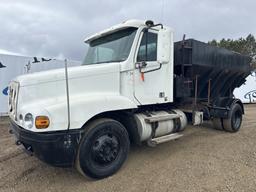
(135, 86)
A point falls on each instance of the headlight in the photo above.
(29, 120)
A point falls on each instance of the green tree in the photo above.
(246, 46)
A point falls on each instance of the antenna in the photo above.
(67, 91)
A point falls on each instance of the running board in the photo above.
(155, 141)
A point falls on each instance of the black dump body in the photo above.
(207, 73)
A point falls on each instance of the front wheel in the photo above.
(103, 149)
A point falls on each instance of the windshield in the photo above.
(114, 47)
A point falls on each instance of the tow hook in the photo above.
(11, 131)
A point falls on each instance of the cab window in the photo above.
(149, 52)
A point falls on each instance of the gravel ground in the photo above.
(203, 160)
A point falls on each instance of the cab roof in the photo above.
(125, 24)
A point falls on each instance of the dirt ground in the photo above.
(203, 160)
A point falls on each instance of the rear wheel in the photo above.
(103, 149)
(233, 123)
(217, 123)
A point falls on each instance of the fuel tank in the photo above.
(159, 123)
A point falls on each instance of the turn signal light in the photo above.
(42, 122)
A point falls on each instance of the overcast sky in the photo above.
(56, 28)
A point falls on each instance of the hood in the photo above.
(39, 93)
(73, 72)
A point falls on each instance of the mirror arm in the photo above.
(160, 66)
(159, 24)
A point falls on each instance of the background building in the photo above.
(247, 92)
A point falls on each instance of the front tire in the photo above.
(103, 148)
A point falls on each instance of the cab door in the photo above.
(153, 81)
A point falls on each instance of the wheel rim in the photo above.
(105, 149)
(237, 119)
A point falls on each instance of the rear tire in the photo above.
(233, 123)
(103, 148)
(217, 124)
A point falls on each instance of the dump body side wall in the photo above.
(218, 70)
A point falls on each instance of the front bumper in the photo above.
(55, 148)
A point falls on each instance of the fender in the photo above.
(229, 102)
(226, 104)
(84, 108)
(238, 101)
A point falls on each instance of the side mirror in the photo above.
(164, 45)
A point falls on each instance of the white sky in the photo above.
(57, 28)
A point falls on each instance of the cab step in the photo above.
(155, 141)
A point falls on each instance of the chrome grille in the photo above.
(13, 98)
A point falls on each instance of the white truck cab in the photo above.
(86, 116)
